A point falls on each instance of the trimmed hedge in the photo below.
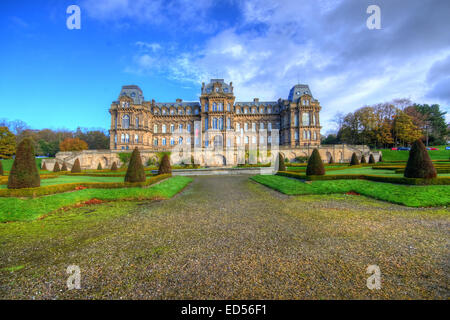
(315, 164)
(419, 163)
(99, 167)
(114, 166)
(371, 159)
(59, 188)
(24, 171)
(363, 159)
(354, 161)
(56, 167)
(1, 169)
(397, 180)
(64, 167)
(76, 166)
(281, 164)
(164, 166)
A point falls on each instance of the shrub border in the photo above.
(396, 180)
(59, 188)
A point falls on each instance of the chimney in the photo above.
(256, 100)
(179, 100)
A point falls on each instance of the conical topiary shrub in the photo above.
(315, 165)
(1, 168)
(114, 166)
(371, 159)
(281, 163)
(24, 172)
(164, 165)
(44, 166)
(76, 168)
(380, 159)
(99, 167)
(64, 167)
(135, 171)
(56, 167)
(354, 161)
(363, 159)
(419, 164)
(331, 160)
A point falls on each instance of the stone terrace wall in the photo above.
(89, 159)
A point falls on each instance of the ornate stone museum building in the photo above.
(150, 125)
(216, 120)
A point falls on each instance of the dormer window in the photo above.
(217, 89)
(133, 94)
(298, 93)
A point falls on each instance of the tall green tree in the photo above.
(7, 143)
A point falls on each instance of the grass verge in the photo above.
(15, 209)
(411, 196)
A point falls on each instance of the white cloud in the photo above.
(326, 45)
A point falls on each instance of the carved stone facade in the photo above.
(150, 125)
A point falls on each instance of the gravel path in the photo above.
(226, 237)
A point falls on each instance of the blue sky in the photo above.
(55, 77)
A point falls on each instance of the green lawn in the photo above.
(15, 209)
(391, 155)
(412, 196)
(72, 179)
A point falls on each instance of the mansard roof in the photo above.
(299, 90)
(134, 92)
(208, 88)
(177, 104)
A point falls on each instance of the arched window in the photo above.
(155, 128)
(188, 111)
(137, 123)
(245, 110)
(269, 126)
(246, 126)
(180, 140)
(269, 139)
(221, 123)
(196, 111)
(261, 126)
(309, 135)
(246, 139)
(172, 111)
(127, 138)
(214, 106)
(215, 123)
(126, 121)
(172, 128)
(228, 107)
(238, 110)
(155, 142)
(136, 138)
(269, 110)
(163, 130)
(122, 137)
(163, 141)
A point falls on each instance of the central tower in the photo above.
(217, 101)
